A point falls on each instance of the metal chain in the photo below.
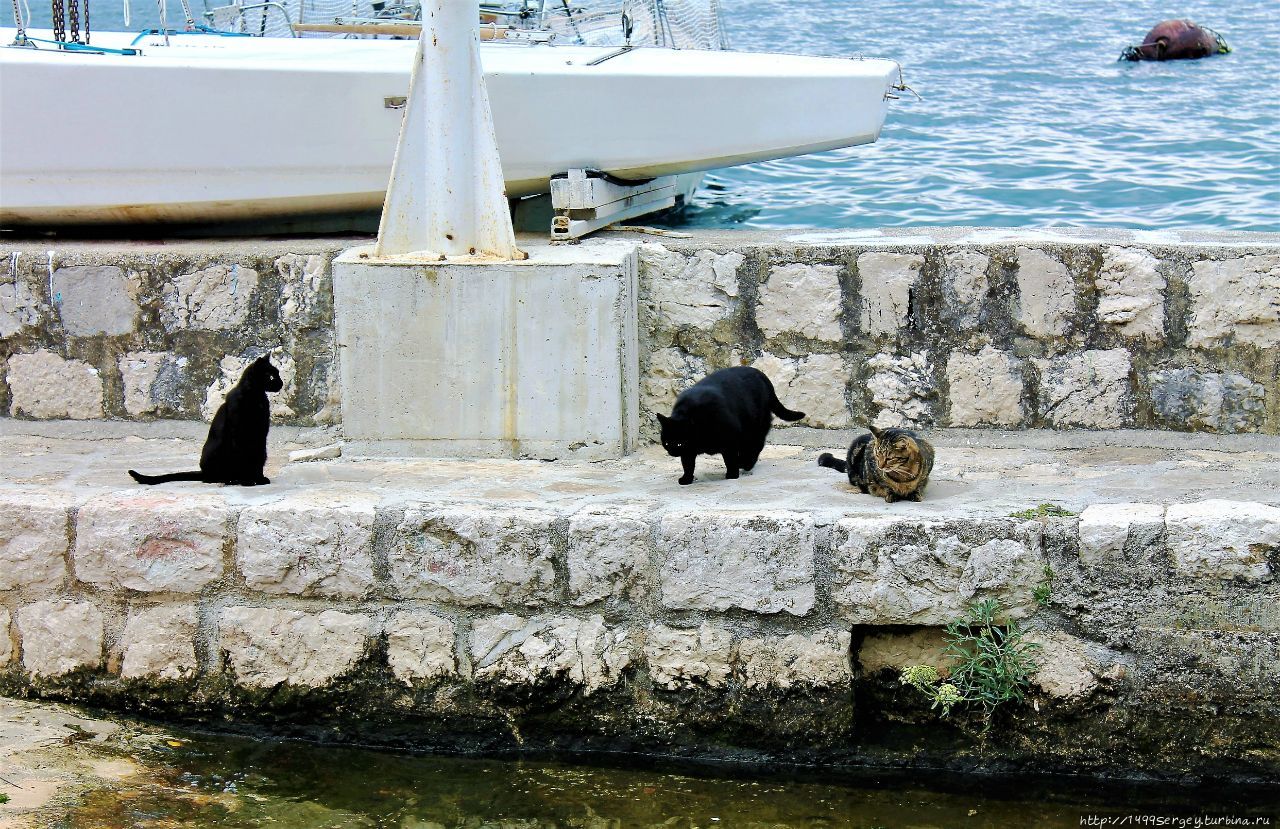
(86, 21)
(59, 21)
(73, 9)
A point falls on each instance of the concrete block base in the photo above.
(532, 359)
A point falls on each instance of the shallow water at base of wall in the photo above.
(227, 783)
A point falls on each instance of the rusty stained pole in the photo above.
(446, 197)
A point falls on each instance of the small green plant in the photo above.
(1044, 590)
(4, 798)
(1042, 511)
(991, 664)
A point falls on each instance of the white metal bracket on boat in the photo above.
(447, 198)
(585, 202)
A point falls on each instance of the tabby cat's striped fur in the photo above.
(893, 464)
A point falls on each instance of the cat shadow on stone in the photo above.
(727, 413)
(893, 464)
(236, 450)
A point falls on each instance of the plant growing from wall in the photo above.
(1044, 590)
(991, 664)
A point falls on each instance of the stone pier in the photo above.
(1105, 405)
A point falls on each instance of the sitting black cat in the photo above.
(726, 413)
(893, 464)
(236, 449)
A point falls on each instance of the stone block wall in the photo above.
(949, 329)
(769, 634)
(144, 331)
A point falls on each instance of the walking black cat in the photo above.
(236, 450)
(727, 413)
(893, 464)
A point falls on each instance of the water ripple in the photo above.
(1028, 119)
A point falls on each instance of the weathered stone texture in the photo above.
(762, 561)
(21, 304)
(33, 539)
(1131, 293)
(887, 282)
(231, 367)
(608, 555)
(151, 542)
(893, 572)
(215, 298)
(697, 290)
(1089, 389)
(1068, 667)
(986, 388)
(60, 636)
(43, 385)
(1222, 539)
(302, 290)
(420, 646)
(901, 387)
(1188, 399)
(474, 555)
(694, 656)
(964, 286)
(6, 639)
(152, 381)
(307, 547)
(95, 299)
(511, 650)
(159, 642)
(1236, 301)
(801, 299)
(814, 385)
(1106, 529)
(1046, 294)
(895, 651)
(266, 647)
(820, 660)
(669, 371)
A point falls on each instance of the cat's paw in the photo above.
(731, 475)
(686, 480)
(263, 480)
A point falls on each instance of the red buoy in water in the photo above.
(1177, 40)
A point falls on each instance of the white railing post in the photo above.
(446, 197)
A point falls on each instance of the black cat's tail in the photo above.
(830, 461)
(151, 480)
(780, 410)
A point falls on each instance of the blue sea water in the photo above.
(1028, 120)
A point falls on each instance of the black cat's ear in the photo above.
(663, 419)
(879, 434)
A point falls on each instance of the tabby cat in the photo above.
(236, 450)
(727, 413)
(893, 464)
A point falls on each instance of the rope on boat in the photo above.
(572, 22)
(164, 19)
(20, 39)
(128, 16)
(84, 47)
(186, 10)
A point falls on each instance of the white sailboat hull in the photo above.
(229, 128)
